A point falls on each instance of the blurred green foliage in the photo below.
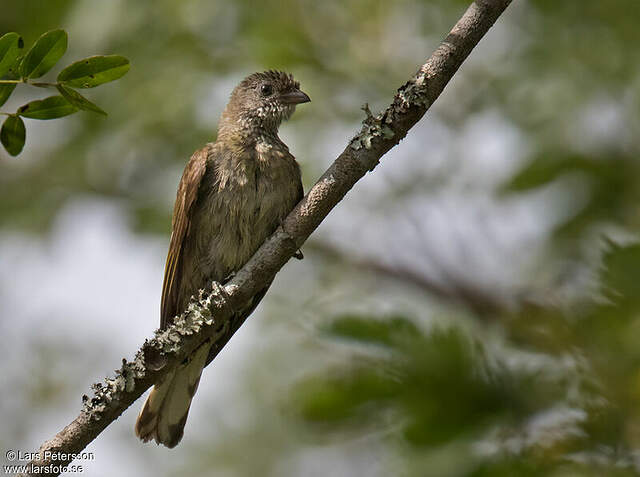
(612, 190)
(545, 387)
(440, 387)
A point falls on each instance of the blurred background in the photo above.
(472, 308)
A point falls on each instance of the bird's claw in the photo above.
(298, 255)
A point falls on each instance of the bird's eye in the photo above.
(266, 89)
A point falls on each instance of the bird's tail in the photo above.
(165, 411)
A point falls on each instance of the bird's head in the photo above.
(262, 101)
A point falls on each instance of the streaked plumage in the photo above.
(233, 194)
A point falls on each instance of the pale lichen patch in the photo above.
(372, 126)
(164, 343)
(412, 93)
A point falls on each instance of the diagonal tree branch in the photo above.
(207, 318)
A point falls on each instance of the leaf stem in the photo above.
(32, 83)
(43, 85)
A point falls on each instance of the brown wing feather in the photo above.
(186, 197)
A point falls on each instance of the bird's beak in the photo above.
(295, 97)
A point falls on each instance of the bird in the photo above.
(233, 194)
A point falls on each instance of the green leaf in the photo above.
(542, 170)
(5, 92)
(44, 54)
(78, 100)
(390, 332)
(93, 71)
(620, 273)
(12, 74)
(48, 108)
(13, 134)
(342, 396)
(10, 45)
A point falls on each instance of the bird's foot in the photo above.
(298, 255)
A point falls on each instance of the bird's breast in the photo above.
(247, 200)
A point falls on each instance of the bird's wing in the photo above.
(182, 212)
(300, 187)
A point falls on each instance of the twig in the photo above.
(453, 291)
